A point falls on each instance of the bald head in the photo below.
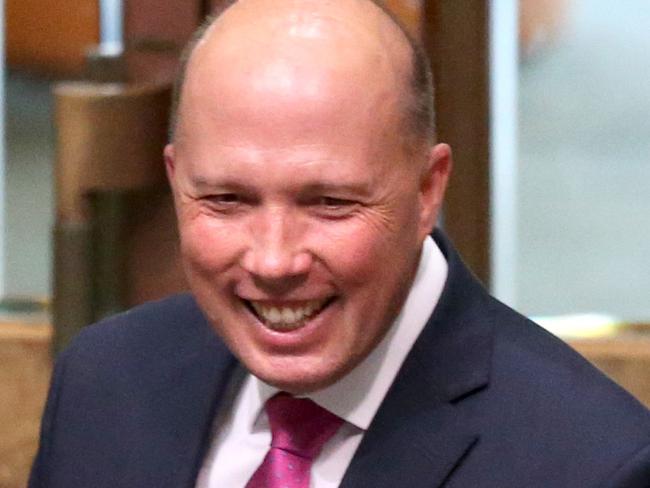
(298, 50)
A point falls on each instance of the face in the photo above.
(301, 218)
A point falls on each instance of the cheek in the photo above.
(209, 245)
(355, 254)
(363, 250)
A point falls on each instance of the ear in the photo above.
(170, 155)
(433, 184)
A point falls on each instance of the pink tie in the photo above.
(299, 429)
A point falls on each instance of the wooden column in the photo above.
(455, 34)
(110, 139)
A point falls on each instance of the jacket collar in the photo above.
(418, 433)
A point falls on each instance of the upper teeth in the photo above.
(287, 317)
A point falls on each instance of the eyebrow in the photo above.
(360, 189)
(203, 183)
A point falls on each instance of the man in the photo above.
(306, 184)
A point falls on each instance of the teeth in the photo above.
(274, 315)
(287, 318)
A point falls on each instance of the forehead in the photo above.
(289, 149)
(282, 107)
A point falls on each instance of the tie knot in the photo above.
(300, 426)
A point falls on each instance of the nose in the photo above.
(277, 253)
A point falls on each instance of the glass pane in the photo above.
(584, 184)
(29, 186)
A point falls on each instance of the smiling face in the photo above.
(300, 211)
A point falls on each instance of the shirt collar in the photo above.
(357, 396)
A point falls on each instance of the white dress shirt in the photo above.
(241, 435)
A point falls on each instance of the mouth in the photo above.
(287, 316)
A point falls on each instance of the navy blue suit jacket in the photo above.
(484, 399)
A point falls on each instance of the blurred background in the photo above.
(546, 103)
(584, 162)
(582, 168)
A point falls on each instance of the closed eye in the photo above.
(334, 207)
(224, 202)
(334, 202)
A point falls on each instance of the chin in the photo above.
(296, 380)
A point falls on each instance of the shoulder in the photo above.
(150, 334)
(150, 324)
(548, 393)
(526, 355)
(134, 380)
(535, 382)
(129, 358)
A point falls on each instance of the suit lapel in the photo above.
(411, 453)
(421, 433)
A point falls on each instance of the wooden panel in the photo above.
(456, 36)
(153, 262)
(409, 12)
(24, 377)
(172, 20)
(155, 32)
(625, 359)
(45, 35)
(109, 137)
(216, 5)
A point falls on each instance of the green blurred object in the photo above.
(109, 210)
(89, 264)
(20, 305)
(72, 302)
